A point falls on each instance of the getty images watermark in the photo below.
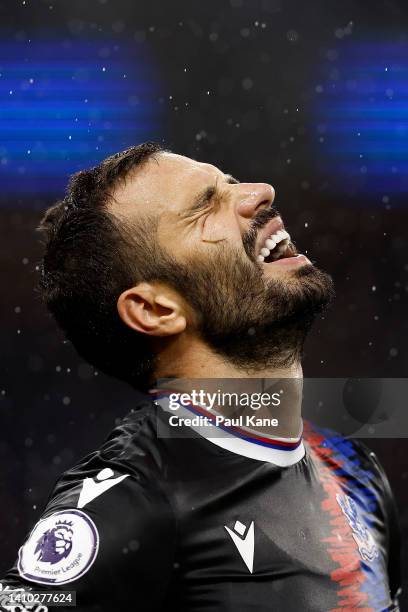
(210, 400)
(352, 407)
(14, 600)
(27, 600)
(221, 400)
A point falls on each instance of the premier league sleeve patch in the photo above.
(61, 548)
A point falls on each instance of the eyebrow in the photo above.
(204, 197)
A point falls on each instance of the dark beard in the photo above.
(254, 323)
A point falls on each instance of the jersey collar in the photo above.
(236, 439)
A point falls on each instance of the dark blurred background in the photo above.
(310, 96)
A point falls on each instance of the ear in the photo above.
(152, 309)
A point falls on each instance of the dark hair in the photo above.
(90, 258)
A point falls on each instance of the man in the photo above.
(160, 268)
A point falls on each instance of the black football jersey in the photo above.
(183, 518)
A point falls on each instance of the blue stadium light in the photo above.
(67, 105)
(362, 119)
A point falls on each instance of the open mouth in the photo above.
(275, 247)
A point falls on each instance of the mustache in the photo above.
(258, 222)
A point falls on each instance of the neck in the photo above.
(191, 364)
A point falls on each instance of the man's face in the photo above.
(226, 250)
(206, 209)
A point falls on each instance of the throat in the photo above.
(239, 405)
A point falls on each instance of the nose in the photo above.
(253, 197)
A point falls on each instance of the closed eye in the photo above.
(207, 196)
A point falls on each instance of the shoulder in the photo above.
(131, 450)
(356, 467)
(124, 473)
(347, 457)
(107, 516)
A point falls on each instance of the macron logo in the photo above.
(93, 488)
(245, 545)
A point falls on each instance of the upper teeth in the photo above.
(271, 242)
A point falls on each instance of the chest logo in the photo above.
(244, 540)
(362, 537)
